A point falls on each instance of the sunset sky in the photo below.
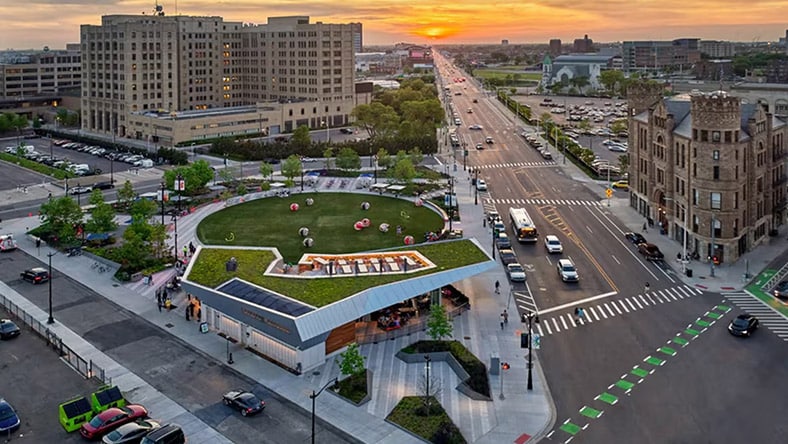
(36, 23)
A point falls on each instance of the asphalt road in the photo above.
(188, 377)
(35, 381)
(718, 388)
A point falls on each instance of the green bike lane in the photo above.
(689, 386)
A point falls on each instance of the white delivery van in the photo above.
(146, 163)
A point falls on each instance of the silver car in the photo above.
(131, 432)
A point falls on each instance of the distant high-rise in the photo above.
(555, 48)
(37, 73)
(583, 45)
(358, 37)
(504, 42)
(654, 55)
(786, 41)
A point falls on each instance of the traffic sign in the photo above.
(609, 192)
(537, 341)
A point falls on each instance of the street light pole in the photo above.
(162, 201)
(179, 186)
(711, 252)
(529, 318)
(476, 181)
(314, 396)
(427, 362)
(451, 201)
(79, 195)
(684, 242)
(51, 320)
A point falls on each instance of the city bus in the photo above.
(523, 226)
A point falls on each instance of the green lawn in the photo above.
(501, 73)
(209, 270)
(270, 223)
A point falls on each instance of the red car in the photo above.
(107, 420)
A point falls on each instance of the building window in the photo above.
(715, 136)
(716, 201)
(716, 172)
(695, 196)
(715, 154)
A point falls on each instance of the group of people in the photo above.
(391, 320)
(194, 309)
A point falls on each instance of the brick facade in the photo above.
(709, 163)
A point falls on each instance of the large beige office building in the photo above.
(707, 165)
(149, 77)
(39, 73)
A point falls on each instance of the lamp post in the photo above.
(79, 195)
(464, 156)
(494, 235)
(476, 181)
(711, 247)
(163, 187)
(529, 318)
(302, 176)
(50, 320)
(229, 355)
(684, 242)
(427, 362)
(314, 396)
(375, 167)
(179, 186)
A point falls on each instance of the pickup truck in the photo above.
(650, 252)
(507, 256)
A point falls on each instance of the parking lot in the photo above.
(35, 381)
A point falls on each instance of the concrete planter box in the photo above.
(365, 399)
(416, 358)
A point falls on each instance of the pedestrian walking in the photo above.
(581, 314)
(645, 228)
(577, 314)
(185, 251)
(505, 316)
(158, 302)
(188, 312)
(497, 287)
(648, 287)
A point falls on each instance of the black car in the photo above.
(781, 290)
(246, 402)
(8, 329)
(650, 252)
(36, 275)
(743, 325)
(635, 238)
(104, 186)
(346, 130)
(507, 256)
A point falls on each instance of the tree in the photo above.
(618, 126)
(126, 194)
(623, 163)
(301, 139)
(384, 159)
(291, 167)
(60, 217)
(404, 171)
(351, 361)
(102, 216)
(348, 159)
(328, 154)
(226, 175)
(438, 325)
(581, 82)
(377, 119)
(610, 80)
(416, 156)
(267, 170)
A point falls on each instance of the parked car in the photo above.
(781, 290)
(80, 190)
(553, 244)
(567, 270)
(107, 420)
(346, 130)
(743, 325)
(635, 238)
(503, 241)
(167, 434)
(245, 402)
(507, 256)
(9, 421)
(35, 275)
(8, 329)
(516, 272)
(131, 433)
(104, 185)
(650, 252)
(479, 146)
(489, 140)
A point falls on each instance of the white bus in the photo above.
(523, 226)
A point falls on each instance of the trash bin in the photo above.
(689, 272)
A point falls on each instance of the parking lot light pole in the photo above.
(314, 396)
(50, 320)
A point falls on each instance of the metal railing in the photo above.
(414, 325)
(774, 280)
(86, 368)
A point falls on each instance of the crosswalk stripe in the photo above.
(572, 321)
(636, 302)
(547, 326)
(591, 309)
(609, 310)
(677, 293)
(682, 290)
(630, 304)
(651, 299)
(673, 296)
(557, 328)
(566, 327)
(602, 312)
(623, 305)
(656, 295)
(539, 327)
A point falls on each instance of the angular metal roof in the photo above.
(264, 298)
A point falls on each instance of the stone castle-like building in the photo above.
(708, 165)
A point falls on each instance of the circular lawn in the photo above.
(330, 219)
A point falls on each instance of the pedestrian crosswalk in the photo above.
(587, 203)
(516, 165)
(613, 308)
(767, 316)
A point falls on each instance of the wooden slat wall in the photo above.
(340, 337)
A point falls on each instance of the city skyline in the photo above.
(458, 22)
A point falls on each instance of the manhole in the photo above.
(168, 325)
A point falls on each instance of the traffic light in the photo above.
(524, 340)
